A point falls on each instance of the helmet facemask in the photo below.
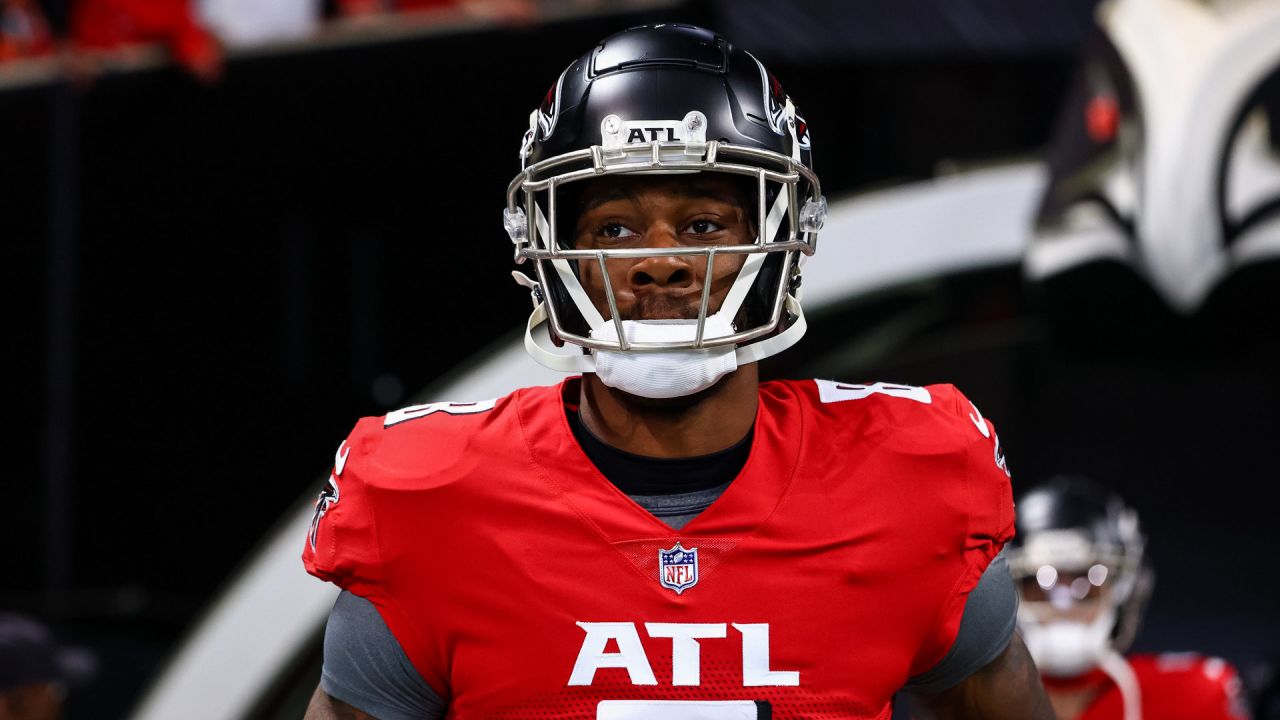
(762, 299)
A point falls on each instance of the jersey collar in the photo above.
(748, 502)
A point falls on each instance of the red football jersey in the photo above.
(522, 583)
(1182, 686)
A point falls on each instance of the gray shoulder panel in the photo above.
(365, 667)
(986, 627)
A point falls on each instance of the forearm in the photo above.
(1008, 688)
(323, 707)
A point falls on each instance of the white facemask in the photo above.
(664, 374)
(1065, 649)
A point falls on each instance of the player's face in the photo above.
(1061, 595)
(662, 212)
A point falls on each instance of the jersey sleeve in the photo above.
(1223, 697)
(1193, 686)
(987, 523)
(341, 546)
(986, 627)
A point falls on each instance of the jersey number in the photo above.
(414, 412)
(831, 392)
(683, 710)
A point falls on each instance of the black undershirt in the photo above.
(642, 475)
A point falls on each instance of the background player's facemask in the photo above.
(664, 100)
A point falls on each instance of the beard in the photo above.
(664, 307)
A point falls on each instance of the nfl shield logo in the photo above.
(678, 568)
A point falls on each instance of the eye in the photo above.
(704, 227)
(615, 230)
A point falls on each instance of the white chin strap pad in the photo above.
(663, 373)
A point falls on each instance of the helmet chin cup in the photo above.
(663, 374)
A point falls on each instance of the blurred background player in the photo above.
(35, 670)
(1079, 560)
(24, 32)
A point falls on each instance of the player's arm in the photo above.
(1007, 688)
(366, 673)
(323, 707)
(987, 673)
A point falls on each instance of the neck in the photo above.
(700, 424)
(1071, 697)
(1072, 704)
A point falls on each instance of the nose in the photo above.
(662, 271)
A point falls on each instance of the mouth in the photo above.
(665, 307)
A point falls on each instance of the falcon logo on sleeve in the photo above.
(981, 423)
(328, 496)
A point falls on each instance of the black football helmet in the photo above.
(1076, 541)
(665, 99)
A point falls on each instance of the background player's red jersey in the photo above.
(1184, 686)
(522, 583)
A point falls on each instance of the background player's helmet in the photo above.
(1080, 562)
(665, 99)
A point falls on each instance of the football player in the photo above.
(1080, 563)
(663, 536)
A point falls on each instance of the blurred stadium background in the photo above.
(232, 228)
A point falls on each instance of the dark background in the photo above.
(206, 285)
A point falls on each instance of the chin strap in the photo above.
(571, 359)
(775, 344)
(1121, 673)
(537, 341)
